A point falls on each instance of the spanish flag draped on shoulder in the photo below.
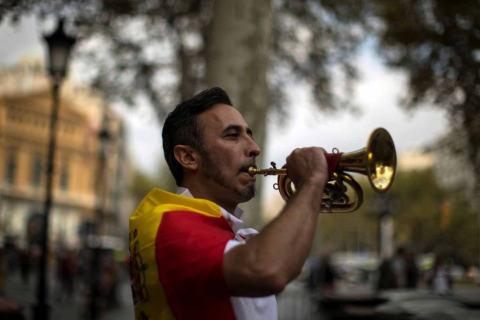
(176, 258)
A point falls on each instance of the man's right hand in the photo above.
(307, 165)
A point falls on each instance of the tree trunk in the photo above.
(187, 84)
(237, 61)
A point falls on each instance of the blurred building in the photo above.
(89, 193)
(416, 160)
(448, 159)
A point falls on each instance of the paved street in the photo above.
(70, 309)
(295, 303)
(462, 304)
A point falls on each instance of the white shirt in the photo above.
(245, 308)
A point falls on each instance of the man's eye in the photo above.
(234, 135)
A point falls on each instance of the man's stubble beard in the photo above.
(210, 172)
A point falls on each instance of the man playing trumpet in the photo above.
(190, 258)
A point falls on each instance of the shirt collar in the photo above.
(234, 220)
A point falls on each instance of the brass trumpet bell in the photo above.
(377, 161)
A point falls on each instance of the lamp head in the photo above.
(59, 48)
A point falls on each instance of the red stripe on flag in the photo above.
(189, 253)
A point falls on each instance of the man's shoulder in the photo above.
(163, 216)
(157, 202)
(191, 222)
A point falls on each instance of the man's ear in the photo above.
(186, 156)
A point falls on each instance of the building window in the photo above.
(64, 178)
(37, 173)
(11, 168)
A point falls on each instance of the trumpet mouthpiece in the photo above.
(252, 171)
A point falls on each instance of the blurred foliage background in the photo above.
(422, 222)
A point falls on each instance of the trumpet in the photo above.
(377, 161)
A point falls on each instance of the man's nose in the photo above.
(253, 150)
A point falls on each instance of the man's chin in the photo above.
(247, 193)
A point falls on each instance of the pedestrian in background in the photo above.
(412, 271)
(25, 265)
(438, 278)
(386, 276)
(327, 275)
(399, 268)
(3, 271)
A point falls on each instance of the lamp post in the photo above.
(59, 47)
(101, 190)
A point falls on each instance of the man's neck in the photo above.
(204, 191)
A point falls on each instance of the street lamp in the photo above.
(59, 47)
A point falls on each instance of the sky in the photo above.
(377, 93)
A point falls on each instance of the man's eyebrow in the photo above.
(237, 127)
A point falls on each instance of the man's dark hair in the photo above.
(181, 126)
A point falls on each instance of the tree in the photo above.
(431, 219)
(162, 51)
(437, 44)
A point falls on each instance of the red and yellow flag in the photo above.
(176, 258)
